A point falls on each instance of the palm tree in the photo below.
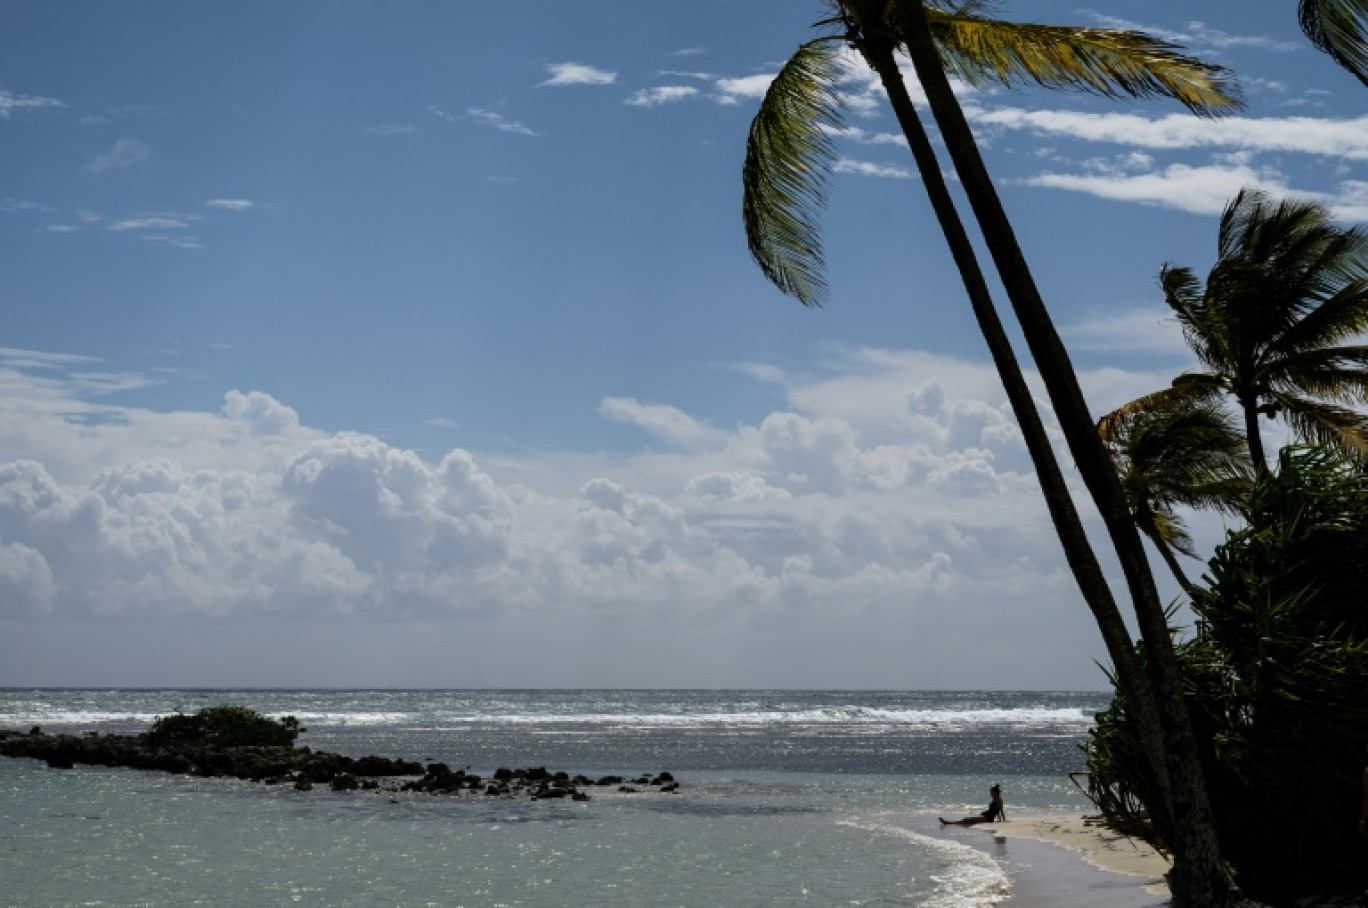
(788, 154)
(1188, 454)
(1289, 287)
(1340, 29)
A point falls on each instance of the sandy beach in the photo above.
(1098, 845)
(1061, 860)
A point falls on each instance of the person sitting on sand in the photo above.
(993, 814)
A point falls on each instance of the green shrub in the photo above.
(224, 726)
(1274, 679)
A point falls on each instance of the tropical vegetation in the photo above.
(1275, 674)
(217, 727)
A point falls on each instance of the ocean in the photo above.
(787, 798)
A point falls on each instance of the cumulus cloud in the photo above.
(891, 484)
(123, 154)
(578, 74)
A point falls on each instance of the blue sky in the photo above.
(418, 344)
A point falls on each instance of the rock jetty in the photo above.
(306, 769)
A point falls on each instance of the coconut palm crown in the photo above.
(1269, 327)
(1187, 454)
(790, 152)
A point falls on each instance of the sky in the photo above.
(354, 344)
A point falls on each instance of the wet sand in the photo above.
(1061, 861)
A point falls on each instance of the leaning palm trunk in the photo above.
(1064, 515)
(1199, 876)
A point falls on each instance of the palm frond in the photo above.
(1170, 528)
(1200, 386)
(1106, 62)
(1177, 448)
(789, 155)
(1325, 424)
(1336, 373)
(1338, 27)
(1341, 317)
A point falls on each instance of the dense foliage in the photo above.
(1276, 673)
(224, 726)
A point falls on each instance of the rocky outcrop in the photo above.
(306, 769)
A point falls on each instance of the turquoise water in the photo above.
(811, 798)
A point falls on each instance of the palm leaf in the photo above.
(789, 155)
(1337, 373)
(1325, 424)
(1338, 28)
(1106, 62)
(1168, 527)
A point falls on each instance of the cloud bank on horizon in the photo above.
(443, 364)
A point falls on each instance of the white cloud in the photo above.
(1199, 190)
(1336, 138)
(11, 103)
(231, 204)
(393, 129)
(496, 120)
(870, 169)
(864, 137)
(8, 206)
(1151, 330)
(667, 423)
(892, 492)
(151, 222)
(744, 88)
(1197, 34)
(661, 94)
(123, 154)
(578, 74)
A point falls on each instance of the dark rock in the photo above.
(301, 767)
(344, 781)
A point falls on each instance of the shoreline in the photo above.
(1062, 859)
(1101, 847)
